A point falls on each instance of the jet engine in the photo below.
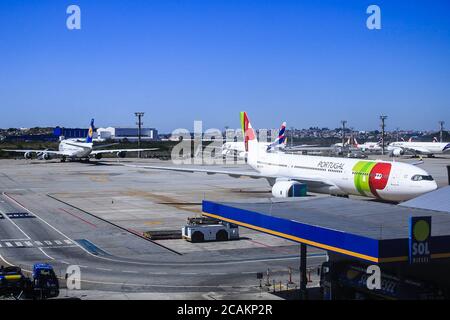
(121, 154)
(288, 188)
(397, 152)
(28, 155)
(98, 156)
(46, 156)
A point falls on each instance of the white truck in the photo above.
(207, 229)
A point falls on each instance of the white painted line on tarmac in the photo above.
(58, 242)
(19, 244)
(59, 247)
(104, 269)
(38, 243)
(217, 273)
(65, 262)
(68, 241)
(129, 271)
(28, 244)
(45, 253)
(189, 273)
(158, 273)
(8, 244)
(10, 220)
(48, 242)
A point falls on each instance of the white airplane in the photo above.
(390, 181)
(367, 146)
(76, 149)
(399, 148)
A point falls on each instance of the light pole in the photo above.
(343, 122)
(383, 126)
(441, 128)
(139, 116)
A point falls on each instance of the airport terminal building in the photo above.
(120, 133)
(113, 133)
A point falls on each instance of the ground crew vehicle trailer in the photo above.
(45, 283)
(12, 282)
(221, 231)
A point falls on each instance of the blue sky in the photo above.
(309, 63)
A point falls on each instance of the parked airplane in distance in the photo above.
(76, 149)
(385, 180)
(367, 146)
(429, 149)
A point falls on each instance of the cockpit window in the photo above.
(419, 177)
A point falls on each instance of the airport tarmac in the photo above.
(92, 215)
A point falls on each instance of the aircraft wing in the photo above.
(415, 150)
(235, 174)
(94, 152)
(35, 151)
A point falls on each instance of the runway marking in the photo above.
(73, 215)
(58, 247)
(10, 220)
(188, 273)
(249, 272)
(48, 244)
(65, 262)
(129, 271)
(217, 274)
(68, 241)
(48, 256)
(103, 269)
(158, 273)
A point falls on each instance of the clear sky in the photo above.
(310, 63)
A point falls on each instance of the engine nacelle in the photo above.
(98, 156)
(288, 189)
(397, 152)
(27, 155)
(121, 154)
(46, 156)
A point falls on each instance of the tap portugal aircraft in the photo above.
(75, 149)
(389, 181)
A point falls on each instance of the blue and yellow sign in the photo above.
(419, 239)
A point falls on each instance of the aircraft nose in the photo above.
(431, 186)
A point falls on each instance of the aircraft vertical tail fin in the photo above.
(90, 132)
(248, 131)
(281, 140)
